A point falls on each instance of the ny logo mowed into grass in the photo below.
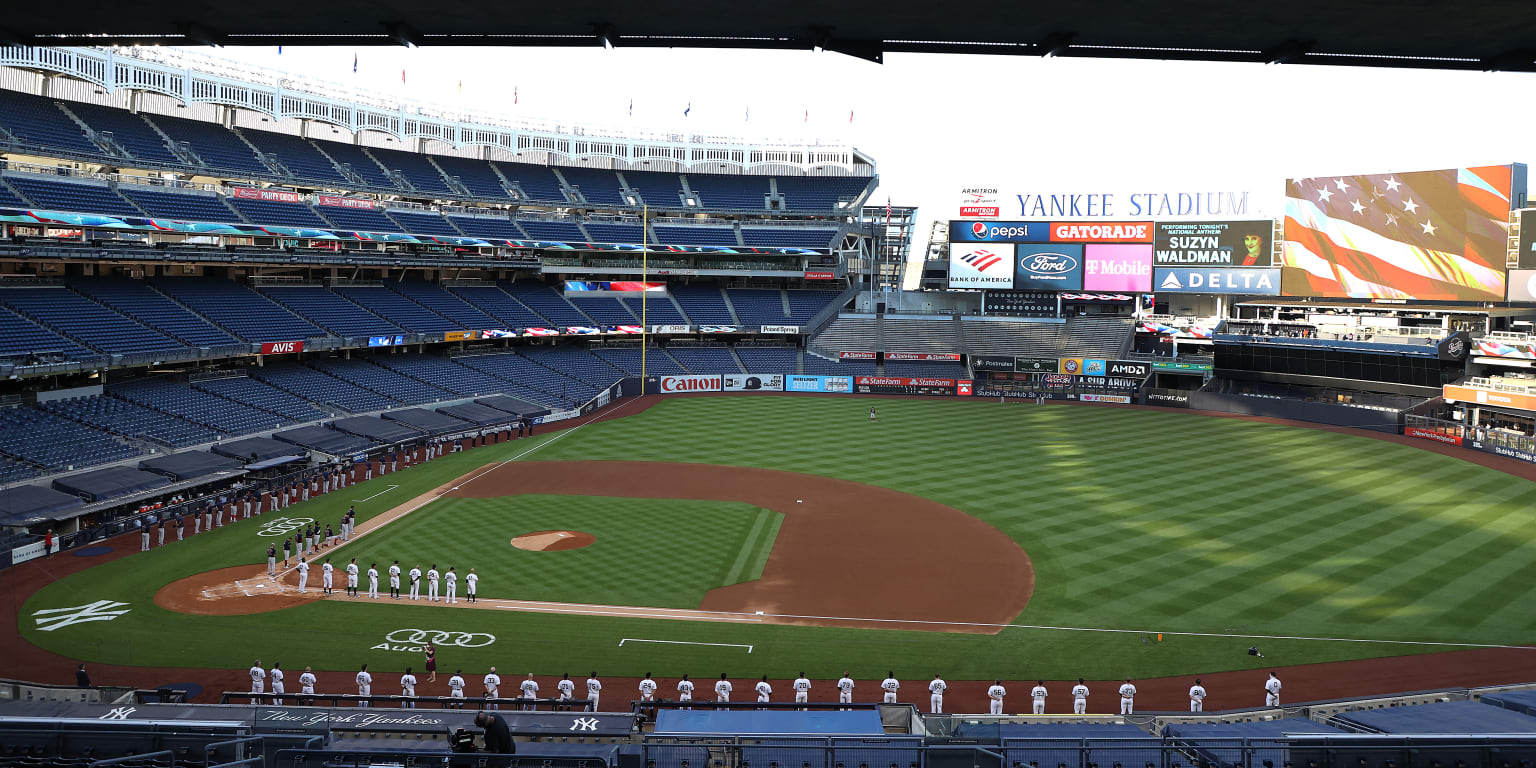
(50, 619)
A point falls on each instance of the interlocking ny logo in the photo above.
(120, 713)
(584, 724)
(57, 618)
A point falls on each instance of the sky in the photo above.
(937, 123)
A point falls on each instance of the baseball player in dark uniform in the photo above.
(271, 560)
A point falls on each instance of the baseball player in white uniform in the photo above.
(456, 687)
(394, 581)
(373, 580)
(647, 688)
(995, 696)
(432, 577)
(685, 689)
(352, 577)
(566, 688)
(764, 690)
(471, 583)
(936, 695)
(258, 677)
(594, 690)
(1272, 691)
(415, 582)
(1038, 694)
(364, 685)
(845, 689)
(451, 586)
(1127, 698)
(802, 686)
(407, 688)
(1197, 697)
(325, 576)
(307, 682)
(722, 689)
(890, 685)
(529, 689)
(1080, 698)
(303, 574)
(492, 683)
(277, 682)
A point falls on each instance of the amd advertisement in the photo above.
(1214, 243)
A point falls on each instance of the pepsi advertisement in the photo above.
(999, 231)
(1048, 267)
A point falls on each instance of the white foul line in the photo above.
(380, 493)
(682, 642)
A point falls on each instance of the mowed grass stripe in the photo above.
(764, 549)
(751, 548)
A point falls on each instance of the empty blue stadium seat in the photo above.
(218, 146)
(820, 193)
(659, 310)
(200, 407)
(238, 309)
(279, 214)
(382, 380)
(604, 310)
(704, 305)
(442, 372)
(317, 387)
(11, 199)
(437, 299)
(787, 237)
(186, 206)
(36, 121)
(757, 306)
(476, 175)
(55, 443)
(493, 228)
(91, 323)
(358, 160)
(417, 170)
(137, 300)
(331, 311)
(21, 337)
(806, 304)
(398, 309)
(769, 359)
(528, 380)
(557, 231)
(713, 360)
(578, 364)
(660, 190)
(536, 181)
(422, 223)
(260, 394)
(500, 305)
(297, 155)
(627, 359)
(73, 195)
(122, 417)
(727, 192)
(677, 235)
(358, 219)
(547, 302)
(602, 232)
(128, 130)
(598, 186)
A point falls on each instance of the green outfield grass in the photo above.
(728, 543)
(1135, 520)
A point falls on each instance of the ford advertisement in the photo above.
(1048, 267)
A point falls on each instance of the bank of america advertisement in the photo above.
(1214, 243)
(980, 265)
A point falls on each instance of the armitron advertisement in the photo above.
(979, 202)
(980, 266)
(1214, 243)
(690, 384)
(900, 385)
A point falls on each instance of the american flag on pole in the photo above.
(1429, 235)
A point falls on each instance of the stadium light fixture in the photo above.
(605, 35)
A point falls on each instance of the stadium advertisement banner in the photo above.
(1428, 235)
(979, 202)
(270, 195)
(541, 332)
(1070, 365)
(386, 341)
(855, 355)
(621, 286)
(1168, 398)
(1527, 258)
(690, 383)
(993, 363)
(671, 328)
(819, 275)
(778, 329)
(1500, 450)
(1117, 268)
(1101, 232)
(999, 231)
(1522, 282)
(1511, 349)
(927, 356)
(1091, 398)
(1429, 434)
(1129, 369)
(344, 202)
(1094, 367)
(460, 335)
(981, 266)
(1165, 366)
(753, 382)
(1517, 400)
(838, 384)
(902, 385)
(719, 329)
(1047, 267)
(1241, 281)
(1036, 364)
(281, 347)
(1214, 243)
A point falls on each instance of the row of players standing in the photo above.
(244, 504)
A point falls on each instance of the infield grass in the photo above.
(1135, 520)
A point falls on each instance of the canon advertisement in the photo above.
(980, 266)
(690, 384)
(900, 385)
(1214, 243)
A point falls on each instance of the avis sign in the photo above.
(690, 384)
(281, 347)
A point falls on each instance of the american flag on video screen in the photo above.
(1434, 235)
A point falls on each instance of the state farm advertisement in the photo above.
(1101, 232)
(926, 356)
(1117, 268)
(271, 195)
(979, 202)
(671, 384)
(902, 385)
(281, 347)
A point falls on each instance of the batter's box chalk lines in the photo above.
(376, 495)
(682, 642)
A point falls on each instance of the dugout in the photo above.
(430, 422)
(512, 405)
(110, 483)
(477, 414)
(376, 429)
(192, 464)
(32, 504)
(257, 450)
(325, 440)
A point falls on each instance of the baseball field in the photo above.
(778, 534)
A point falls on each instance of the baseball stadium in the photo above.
(341, 429)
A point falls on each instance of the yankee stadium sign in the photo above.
(993, 202)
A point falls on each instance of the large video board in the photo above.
(1429, 235)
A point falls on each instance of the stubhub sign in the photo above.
(1250, 282)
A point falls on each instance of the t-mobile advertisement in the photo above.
(1117, 268)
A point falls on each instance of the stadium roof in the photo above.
(1475, 34)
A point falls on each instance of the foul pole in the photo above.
(645, 249)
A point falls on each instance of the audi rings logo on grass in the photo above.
(415, 640)
(283, 526)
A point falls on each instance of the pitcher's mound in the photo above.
(553, 541)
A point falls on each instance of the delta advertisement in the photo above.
(837, 384)
(753, 382)
(1240, 281)
(1214, 243)
(902, 385)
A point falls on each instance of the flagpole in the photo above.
(645, 248)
